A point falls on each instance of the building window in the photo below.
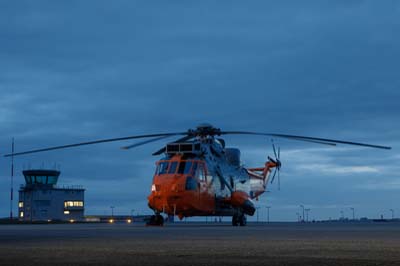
(21, 204)
(21, 214)
(71, 203)
(66, 212)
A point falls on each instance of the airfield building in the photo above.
(40, 199)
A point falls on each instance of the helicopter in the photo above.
(199, 176)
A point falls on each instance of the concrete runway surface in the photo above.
(201, 244)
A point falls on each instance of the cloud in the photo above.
(381, 185)
(78, 71)
(329, 169)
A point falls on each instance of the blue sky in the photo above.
(72, 71)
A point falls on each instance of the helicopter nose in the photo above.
(166, 193)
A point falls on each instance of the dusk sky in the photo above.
(72, 71)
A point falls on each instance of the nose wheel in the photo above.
(239, 219)
(156, 220)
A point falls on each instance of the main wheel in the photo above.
(235, 220)
(159, 220)
(242, 220)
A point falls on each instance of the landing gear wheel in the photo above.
(235, 220)
(160, 219)
(242, 220)
(156, 220)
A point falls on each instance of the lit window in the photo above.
(78, 203)
(66, 212)
(71, 203)
(21, 204)
(21, 214)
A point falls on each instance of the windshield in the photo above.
(184, 167)
(162, 168)
(172, 168)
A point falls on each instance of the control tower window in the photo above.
(28, 179)
(172, 168)
(40, 180)
(52, 180)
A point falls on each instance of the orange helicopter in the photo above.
(199, 176)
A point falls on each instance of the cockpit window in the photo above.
(187, 167)
(184, 167)
(172, 168)
(201, 172)
(194, 168)
(162, 168)
(181, 168)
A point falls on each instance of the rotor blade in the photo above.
(95, 142)
(279, 180)
(162, 150)
(273, 146)
(304, 138)
(315, 141)
(273, 177)
(279, 153)
(143, 142)
(272, 160)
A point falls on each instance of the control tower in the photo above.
(40, 199)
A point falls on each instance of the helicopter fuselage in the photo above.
(205, 179)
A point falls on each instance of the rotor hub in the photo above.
(204, 130)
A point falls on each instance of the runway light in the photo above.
(49, 221)
(129, 221)
(72, 220)
(111, 221)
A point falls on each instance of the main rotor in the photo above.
(203, 130)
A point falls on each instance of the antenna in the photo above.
(12, 180)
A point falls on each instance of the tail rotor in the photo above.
(277, 163)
